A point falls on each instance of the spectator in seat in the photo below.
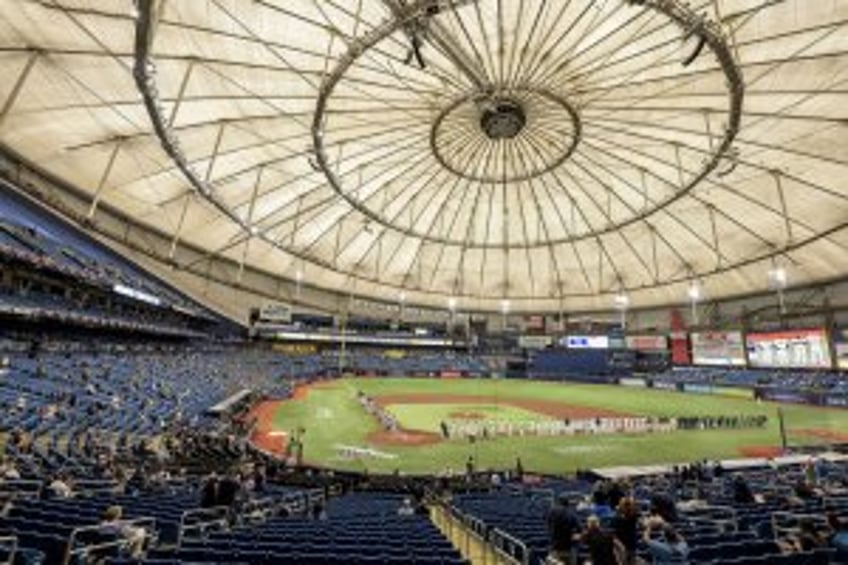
(228, 490)
(8, 471)
(742, 491)
(602, 545)
(135, 537)
(809, 537)
(59, 488)
(663, 505)
(406, 508)
(209, 492)
(625, 524)
(563, 532)
(671, 549)
(838, 532)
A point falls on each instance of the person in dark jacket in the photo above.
(625, 525)
(601, 544)
(228, 490)
(209, 492)
(563, 531)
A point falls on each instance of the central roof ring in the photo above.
(506, 118)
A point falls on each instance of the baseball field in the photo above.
(339, 432)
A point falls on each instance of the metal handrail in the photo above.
(509, 547)
(218, 516)
(10, 542)
(148, 523)
(21, 488)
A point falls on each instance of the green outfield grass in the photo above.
(332, 417)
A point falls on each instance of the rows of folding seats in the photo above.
(359, 528)
(46, 525)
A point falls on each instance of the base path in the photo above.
(558, 410)
(262, 436)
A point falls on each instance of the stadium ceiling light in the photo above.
(505, 305)
(777, 277)
(402, 296)
(694, 291)
(452, 304)
(622, 301)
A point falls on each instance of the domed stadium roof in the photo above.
(556, 153)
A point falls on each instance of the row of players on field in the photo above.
(484, 429)
(487, 428)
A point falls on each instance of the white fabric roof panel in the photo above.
(552, 153)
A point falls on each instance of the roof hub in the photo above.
(502, 118)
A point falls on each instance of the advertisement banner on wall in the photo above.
(586, 342)
(535, 341)
(647, 342)
(718, 348)
(806, 349)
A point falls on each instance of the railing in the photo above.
(788, 523)
(119, 544)
(724, 517)
(8, 548)
(20, 488)
(509, 548)
(196, 523)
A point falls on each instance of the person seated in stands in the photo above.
(59, 487)
(838, 532)
(805, 490)
(229, 489)
(601, 544)
(742, 493)
(563, 531)
(209, 492)
(808, 538)
(663, 505)
(406, 508)
(672, 548)
(113, 525)
(8, 471)
(319, 512)
(625, 525)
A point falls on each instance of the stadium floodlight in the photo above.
(694, 292)
(621, 301)
(777, 277)
(452, 304)
(402, 297)
(505, 305)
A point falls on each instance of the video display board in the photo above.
(718, 348)
(790, 348)
(586, 342)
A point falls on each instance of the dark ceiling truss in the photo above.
(730, 218)
(674, 11)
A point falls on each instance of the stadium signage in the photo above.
(586, 342)
(718, 348)
(647, 342)
(790, 348)
(535, 341)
